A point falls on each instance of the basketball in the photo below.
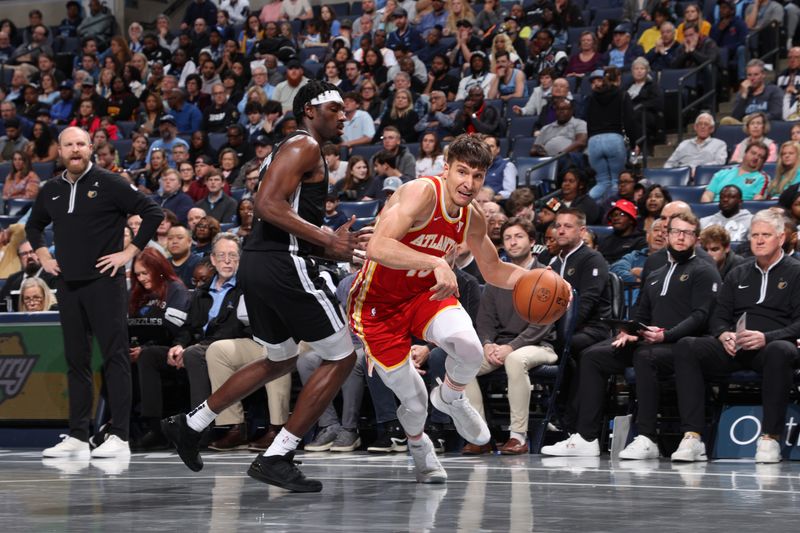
(541, 296)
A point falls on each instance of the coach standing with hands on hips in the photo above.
(88, 207)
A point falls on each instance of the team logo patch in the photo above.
(91, 194)
(16, 366)
(570, 271)
(749, 181)
(684, 277)
(543, 294)
(782, 284)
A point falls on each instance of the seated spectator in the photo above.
(217, 203)
(357, 180)
(21, 182)
(172, 197)
(508, 82)
(625, 236)
(766, 342)
(566, 134)
(671, 310)
(440, 79)
(716, 240)
(13, 141)
(542, 54)
(520, 204)
(336, 167)
(150, 116)
(653, 200)
(647, 99)
(333, 217)
(168, 138)
(406, 162)
(622, 53)
(286, 90)
(585, 59)
(385, 168)
(228, 164)
(31, 268)
(35, 296)
(730, 32)
(756, 95)
(179, 246)
(98, 24)
(187, 117)
(761, 15)
(402, 116)
(756, 126)
(574, 189)
(149, 180)
(439, 119)
(205, 231)
(787, 172)
(696, 50)
(42, 146)
(295, 10)
(731, 215)
(220, 113)
(789, 76)
(692, 15)
(477, 117)
(703, 149)
(479, 76)
(105, 154)
(629, 267)
(511, 342)
(539, 96)
(430, 161)
(501, 175)
(748, 176)
(650, 37)
(243, 223)
(370, 99)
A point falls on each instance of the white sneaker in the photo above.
(466, 419)
(427, 467)
(689, 450)
(111, 448)
(574, 446)
(641, 448)
(68, 447)
(768, 451)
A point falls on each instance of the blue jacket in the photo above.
(411, 38)
(189, 119)
(179, 203)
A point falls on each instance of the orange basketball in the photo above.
(541, 296)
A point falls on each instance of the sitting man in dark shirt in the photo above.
(31, 268)
(183, 261)
(626, 237)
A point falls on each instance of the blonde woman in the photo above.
(402, 116)
(692, 14)
(502, 42)
(457, 10)
(787, 172)
(35, 296)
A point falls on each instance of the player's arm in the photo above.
(297, 158)
(411, 205)
(494, 271)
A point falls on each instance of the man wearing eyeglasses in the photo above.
(169, 138)
(675, 302)
(31, 268)
(221, 113)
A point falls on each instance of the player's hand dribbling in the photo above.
(344, 243)
(446, 283)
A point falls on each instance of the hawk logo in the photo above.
(16, 366)
(543, 294)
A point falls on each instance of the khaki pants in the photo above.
(225, 357)
(517, 365)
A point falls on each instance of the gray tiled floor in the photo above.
(376, 493)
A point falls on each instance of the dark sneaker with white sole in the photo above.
(281, 471)
(185, 439)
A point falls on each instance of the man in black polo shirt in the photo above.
(675, 302)
(755, 325)
(88, 207)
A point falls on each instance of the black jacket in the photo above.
(658, 259)
(89, 219)
(226, 325)
(777, 316)
(678, 297)
(489, 122)
(614, 246)
(611, 111)
(156, 321)
(587, 272)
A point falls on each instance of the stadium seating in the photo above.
(668, 177)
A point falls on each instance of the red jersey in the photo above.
(438, 236)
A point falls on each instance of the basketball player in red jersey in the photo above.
(408, 288)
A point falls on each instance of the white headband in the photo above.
(327, 96)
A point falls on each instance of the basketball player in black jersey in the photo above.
(287, 301)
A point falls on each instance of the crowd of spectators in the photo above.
(189, 111)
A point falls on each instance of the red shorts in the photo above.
(386, 329)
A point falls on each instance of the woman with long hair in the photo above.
(430, 161)
(244, 218)
(370, 99)
(149, 180)
(157, 308)
(21, 182)
(149, 115)
(373, 67)
(42, 147)
(457, 10)
(330, 26)
(755, 126)
(50, 93)
(574, 193)
(331, 73)
(135, 35)
(186, 172)
(121, 102)
(199, 145)
(35, 296)
(502, 42)
(103, 87)
(402, 116)
(204, 232)
(250, 34)
(195, 94)
(653, 200)
(357, 180)
(692, 14)
(586, 57)
(787, 171)
(137, 157)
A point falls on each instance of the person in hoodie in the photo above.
(609, 120)
(625, 237)
(716, 240)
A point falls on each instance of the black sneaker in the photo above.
(185, 439)
(393, 439)
(281, 471)
(436, 433)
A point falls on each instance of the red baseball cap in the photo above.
(626, 206)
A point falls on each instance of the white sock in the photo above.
(284, 443)
(521, 437)
(200, 417)
(449, 391)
